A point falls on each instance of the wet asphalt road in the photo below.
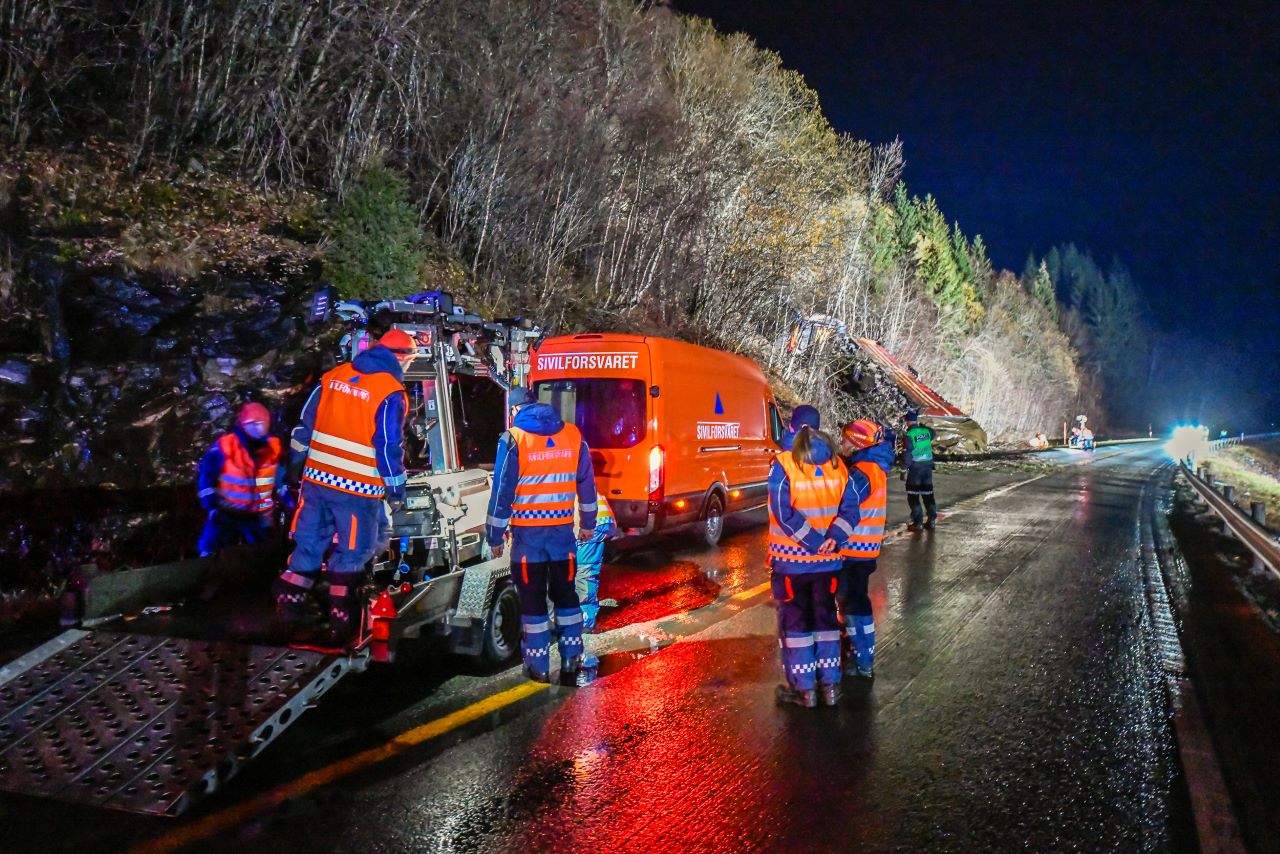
(1018, 703)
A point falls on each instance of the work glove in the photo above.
(396, 497)
(287, 495)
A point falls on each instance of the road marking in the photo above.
(239, 813)
(312, 780)
(749, 592)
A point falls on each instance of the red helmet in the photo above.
(398, 341)
(254, 420)
(862, 433)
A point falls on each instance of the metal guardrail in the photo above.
(1258, 539)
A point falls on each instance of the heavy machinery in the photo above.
(151, 712)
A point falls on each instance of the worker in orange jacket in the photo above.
(239, 479)
(349, 444)
(864, 449)
(543, 465)
(813, 510)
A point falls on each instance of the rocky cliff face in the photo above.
(121, 381)
(113, 385)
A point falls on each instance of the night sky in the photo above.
(1146, 132)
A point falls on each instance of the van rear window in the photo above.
(609, 412)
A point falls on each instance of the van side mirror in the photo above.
(654, 391)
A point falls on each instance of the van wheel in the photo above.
(502, 627)
(713, 520)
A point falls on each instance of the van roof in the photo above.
(654, 341)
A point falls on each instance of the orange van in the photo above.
(679, 434)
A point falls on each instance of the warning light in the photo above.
(737, 493)
(680, 504)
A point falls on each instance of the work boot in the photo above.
(292, 592)
(533, 676)
(806, 698)
(569, 671)
(930, 525)
(345, 608)
(915, 527)
(829, 694)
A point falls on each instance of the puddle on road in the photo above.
(645, 595)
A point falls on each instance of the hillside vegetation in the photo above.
(595, 163)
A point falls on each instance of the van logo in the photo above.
(719, 405)
(588, 361)
(719, 429)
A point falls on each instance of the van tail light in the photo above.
(657, 472)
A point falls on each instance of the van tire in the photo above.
(713, 520)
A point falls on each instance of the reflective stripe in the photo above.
(593, 507)
(568, 619)
(495, 522)
(545, 498)
(343, 444)
(821, 637)
(555, 477)
(337, 590)
(343, 463)
(396, 480)
(544, 626)
(296, 445)
(798, 642)
(297, 579)
(204, 493)
(842, 525)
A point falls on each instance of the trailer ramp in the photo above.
(145, 723)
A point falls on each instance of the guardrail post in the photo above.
(1229, 493)
(1258, 511)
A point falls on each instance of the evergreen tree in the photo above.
(1041, 287)
(375, 248)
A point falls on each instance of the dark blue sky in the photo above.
(1142, 131)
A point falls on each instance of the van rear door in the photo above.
(601, 384)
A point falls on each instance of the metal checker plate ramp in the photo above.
(147, 724)
(477, 590)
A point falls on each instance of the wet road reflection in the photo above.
(1017, 704)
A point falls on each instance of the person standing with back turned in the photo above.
(917, 457)
(813, 510)
(542, 465)
(350, 441)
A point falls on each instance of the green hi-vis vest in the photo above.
(920, 445)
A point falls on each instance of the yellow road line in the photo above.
(749, 592)
(312, 780)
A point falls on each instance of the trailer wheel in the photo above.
(502, 626)
(713, 520)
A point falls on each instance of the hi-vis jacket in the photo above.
(542, 468)
(808, 504)
(239, 476)
(874, 463)
(351, 427)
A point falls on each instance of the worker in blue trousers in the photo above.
(543, 466)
